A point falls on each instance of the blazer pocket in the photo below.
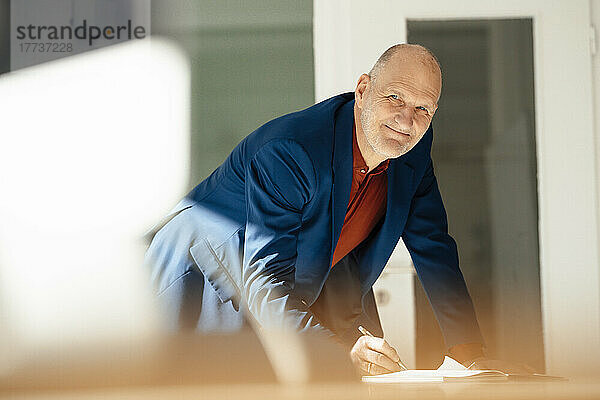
(221, 266)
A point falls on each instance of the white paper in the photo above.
(450, 368)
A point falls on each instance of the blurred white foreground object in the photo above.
(93, 151)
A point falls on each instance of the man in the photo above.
(299, 221)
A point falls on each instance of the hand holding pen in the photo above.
(374, 355)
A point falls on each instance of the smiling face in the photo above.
(395, 108)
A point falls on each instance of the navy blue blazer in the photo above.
(263, 226)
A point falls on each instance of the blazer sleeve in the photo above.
(435, 257)
(280, 181)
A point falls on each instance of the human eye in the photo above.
(393, 97)
(425, 109)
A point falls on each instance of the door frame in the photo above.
(349, 35)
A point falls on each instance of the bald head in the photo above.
(407, 53)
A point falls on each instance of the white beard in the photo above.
(374, 139)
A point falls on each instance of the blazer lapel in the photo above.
(342, 170)
(400, 190)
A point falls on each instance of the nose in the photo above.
(404, 118)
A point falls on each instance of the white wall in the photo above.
(595, 14)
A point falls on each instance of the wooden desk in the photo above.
(463, 391)
(223, 367)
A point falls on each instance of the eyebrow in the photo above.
(429, 106)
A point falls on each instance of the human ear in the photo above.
(361, 88)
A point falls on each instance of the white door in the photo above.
(350, 35)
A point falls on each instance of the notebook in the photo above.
(451, 371)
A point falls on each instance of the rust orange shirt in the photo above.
(368, 200)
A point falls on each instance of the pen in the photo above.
(367, 333)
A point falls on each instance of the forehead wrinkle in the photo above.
(407, 67)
